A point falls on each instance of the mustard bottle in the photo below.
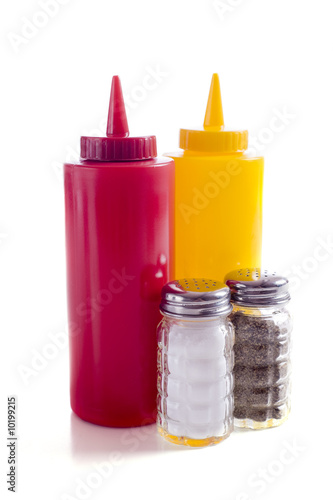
(218, 201)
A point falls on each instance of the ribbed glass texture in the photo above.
(262, 366)
(195, 380)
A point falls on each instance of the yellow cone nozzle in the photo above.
(214, 138)
(214, 113)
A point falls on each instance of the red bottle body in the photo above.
(119, 241)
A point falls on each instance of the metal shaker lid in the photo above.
(195, 298)
(257, 287)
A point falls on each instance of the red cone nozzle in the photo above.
(117, 120)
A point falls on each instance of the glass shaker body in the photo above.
(195, 379)
(262, 363)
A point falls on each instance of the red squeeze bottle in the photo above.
(119, 206)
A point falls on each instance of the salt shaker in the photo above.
(195, 363)
(262, 326)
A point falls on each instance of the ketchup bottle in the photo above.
(119, 206)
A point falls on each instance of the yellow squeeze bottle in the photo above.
(218, 198)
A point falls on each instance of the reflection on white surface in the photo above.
(92, 440)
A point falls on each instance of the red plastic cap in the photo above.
(117, 146)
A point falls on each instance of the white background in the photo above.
(272, 57)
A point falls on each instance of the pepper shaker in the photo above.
(195, 362)
(262, 326)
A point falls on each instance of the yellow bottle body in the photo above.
(218, 213)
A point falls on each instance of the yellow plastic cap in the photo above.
(214, 138)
